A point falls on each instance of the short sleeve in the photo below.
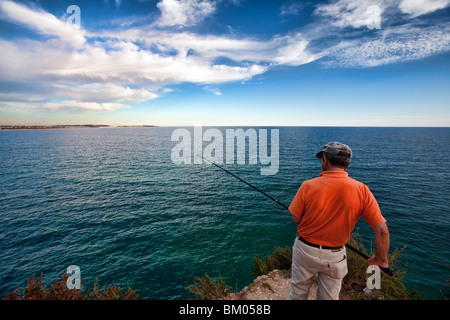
(297, 207)
(371, 210)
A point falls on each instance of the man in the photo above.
(326, 210)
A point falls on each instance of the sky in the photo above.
(225, 62)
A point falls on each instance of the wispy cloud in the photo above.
(354, 13)
(290, 49)
(396, 44)
(42, 22)
(417, 8)
(400, 37)
(291, 8)
(80, 70)
(107, 92)
(183, 12)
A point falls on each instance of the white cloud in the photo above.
(131, 64)
(351, 13)
(419, 7)
(291, 8)
(43, 23)
(216, 91)
(77, 106)
(396, 44)
(97, 74)
(290, 49)
(357, 13)
(184, 12)
(107, 92)
(392, 43)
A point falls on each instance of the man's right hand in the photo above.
(373, 260)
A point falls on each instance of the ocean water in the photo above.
(112, 202)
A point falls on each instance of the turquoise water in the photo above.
(112, 202)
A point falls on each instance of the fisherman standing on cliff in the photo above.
(326, 210)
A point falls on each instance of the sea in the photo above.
(113, 202)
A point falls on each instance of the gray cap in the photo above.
(335, 148)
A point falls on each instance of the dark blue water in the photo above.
(112, 202)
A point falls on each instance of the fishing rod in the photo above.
(388, 271)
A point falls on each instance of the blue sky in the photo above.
(226, 63)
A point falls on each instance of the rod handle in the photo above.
(388, 271)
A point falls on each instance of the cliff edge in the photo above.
(272, 286)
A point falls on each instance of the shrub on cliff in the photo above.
(209, 289)
(59, 291)
(280, 259)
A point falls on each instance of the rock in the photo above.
(273, 286)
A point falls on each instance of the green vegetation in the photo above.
(59, 291)
(392, 288)
(208, 289)
(280, 259)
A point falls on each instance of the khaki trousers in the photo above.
(307, 261)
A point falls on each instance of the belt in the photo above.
(317, 246)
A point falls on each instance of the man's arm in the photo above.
(297, 207)
(382, 246)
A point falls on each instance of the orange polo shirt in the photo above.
(329, 207)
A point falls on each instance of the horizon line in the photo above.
(105, 126)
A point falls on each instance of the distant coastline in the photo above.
(61, 126)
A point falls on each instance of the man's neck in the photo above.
(333, 168)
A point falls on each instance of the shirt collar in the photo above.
(335, 174)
